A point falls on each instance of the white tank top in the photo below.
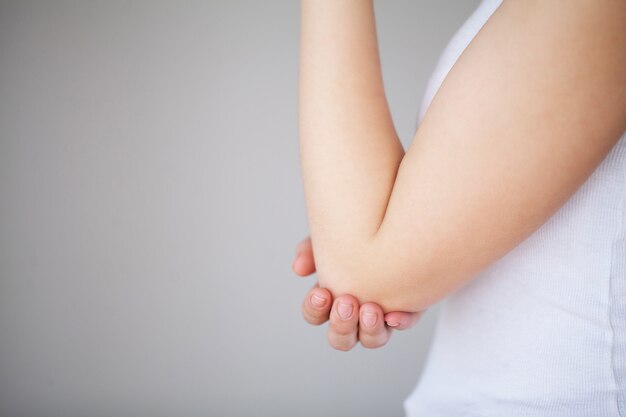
(542, 331)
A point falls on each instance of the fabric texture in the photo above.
(542, 331)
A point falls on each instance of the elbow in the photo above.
(407, 293)
(371, 275)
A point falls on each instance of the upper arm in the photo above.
(528, 111)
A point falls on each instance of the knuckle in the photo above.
(374, 342)
(368, 332)
(312, 319)
(318, 315)
(340, 342)
(342, 330)
(316, 321)
(343, 346)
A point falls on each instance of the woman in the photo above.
(510, 203)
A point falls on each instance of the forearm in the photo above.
(349, 149)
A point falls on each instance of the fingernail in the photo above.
(318, 301)
(393, 324)
(344, 310)
(369, 319)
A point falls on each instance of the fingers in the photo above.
(318, 301)
(316, 305)
(348, 323)
(399, 320)
(372, 330)
(344, 323)
(304, 262)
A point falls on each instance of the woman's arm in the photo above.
(349, 149)
(529, 110)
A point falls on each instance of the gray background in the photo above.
(150, 204)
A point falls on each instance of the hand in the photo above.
(366, 323)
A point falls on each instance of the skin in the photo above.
(527, 113)
(365, 323)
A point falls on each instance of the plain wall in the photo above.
(151, 201)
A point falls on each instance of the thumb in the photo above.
(304, 262)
